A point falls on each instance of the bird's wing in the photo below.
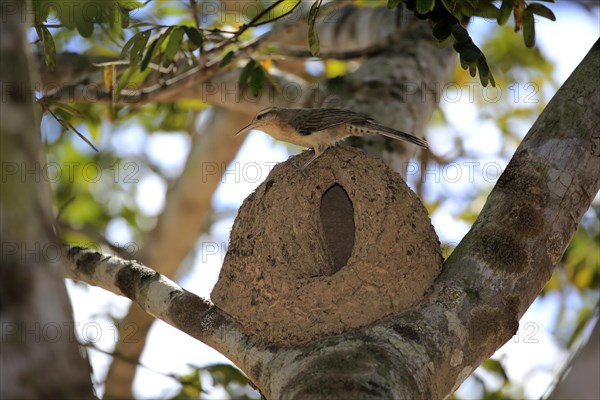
(318, 119)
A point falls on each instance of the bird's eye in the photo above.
(259, 117)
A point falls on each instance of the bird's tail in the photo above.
(398, 135)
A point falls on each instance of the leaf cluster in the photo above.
(80, 15)
(253, 76)
(448, 18)
(524, 16)
(164, 46)
(224, 376)
(83, 14)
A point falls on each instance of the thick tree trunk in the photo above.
(39, 353)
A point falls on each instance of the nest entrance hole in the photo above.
(337, 220)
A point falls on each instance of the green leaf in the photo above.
(227, 59)
(67, 18)
(194, 35)
(225, 374)
(41, 11)
(391, 4)
(163, 36)
(313, 36)
(459, 33)
(245, 72)
(69, 110)
(459, 46)
(505, 11)
(149, 54)
(487, 11)
(128, 45)
(542, 11)
(132, 76)
(442, 31)
(85, 16)
(424, 6)
(85, 27)
(528, 28)
(470, 53)
(49, 46)
(191, 386)
(473, 70)
(496, 367)
(137, 50)
(451, 6)
(484, 71)
(174, 43)
(124, 17)
(257, 80)
(130, 5)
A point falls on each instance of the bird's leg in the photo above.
(300, 168)
(297, 166)
(310, 160)
(318, 151)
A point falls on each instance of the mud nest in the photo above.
(335, 248)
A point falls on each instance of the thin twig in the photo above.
(285, 14)
(67, 125)
(63, 208)
(301, 52)
(136, 362)
(252, 24)
(92, 233)
(194, 11)
(371, 50)
(110, 36)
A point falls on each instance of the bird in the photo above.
(320, 128)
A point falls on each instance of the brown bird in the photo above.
(320, 128)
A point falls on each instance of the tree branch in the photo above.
(155, 293)
(165, 300)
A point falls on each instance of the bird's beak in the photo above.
(245, 129)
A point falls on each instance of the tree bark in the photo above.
(580, 380)
(486, 285)
(39, 354)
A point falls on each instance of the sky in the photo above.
(564, 43)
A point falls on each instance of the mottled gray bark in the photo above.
(39, 353)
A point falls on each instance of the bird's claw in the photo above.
(300, 168)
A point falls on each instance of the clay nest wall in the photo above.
(332, 248)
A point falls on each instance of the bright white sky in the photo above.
(564, 42)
